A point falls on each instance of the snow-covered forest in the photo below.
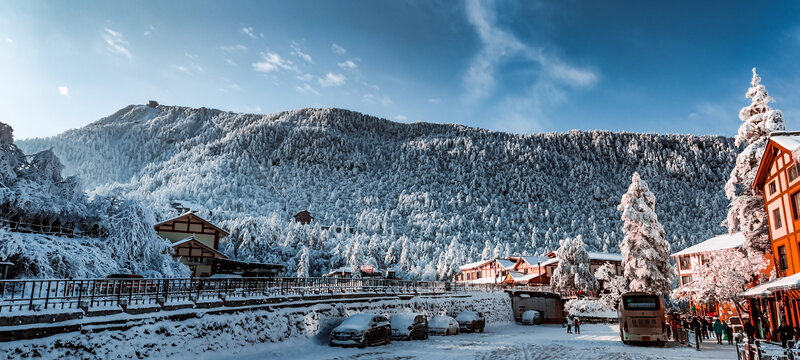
(419, 197)
(63, 233)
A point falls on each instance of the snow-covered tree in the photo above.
(723, 277)
(572, 271)
(302, 264)
(645, 252)
(747, 212)
(613, 285)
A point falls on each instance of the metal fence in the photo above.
(17, 296)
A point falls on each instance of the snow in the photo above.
(719, 242)
(605, 256)
(507, 341)
(788, 140)
(358, 322)
(473, 265)
(785, 283)
(423, 198)
(403, 321)
(506, 264)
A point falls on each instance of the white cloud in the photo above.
(348, 65)
(9, 40)
(401, 118)
(306, 88)
(499, 45)
(63, 90)
(332, 79)
(305, 77)
(435, 100)
(149, 31)
(230, 62)
(248, 31)
(182, 69)
(273, 62)
(298, 52)
(338, 49)
(234, 48)
(116, 43)
(190, 56)
(371, 99)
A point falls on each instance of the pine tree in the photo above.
(572, 271)
(747, 212)
(645, 252)
(302, 264)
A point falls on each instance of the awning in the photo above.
(766, 289)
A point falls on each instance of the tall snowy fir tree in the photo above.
(302, 264)
(645, 252)
(613, 285)
(747, 212)
(573, 271)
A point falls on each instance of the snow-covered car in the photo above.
(409, 326)
(470, 321)
(443, 325)
(362, 330)
(531, 317)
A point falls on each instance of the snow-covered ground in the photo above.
(501, 341)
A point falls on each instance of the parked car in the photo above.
(531, 317)
(443, 325)
(470, 321)
(409, 326)
(362, 330)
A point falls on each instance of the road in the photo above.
(506, 342)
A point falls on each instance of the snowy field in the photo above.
(507, 342)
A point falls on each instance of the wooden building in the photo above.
(304, 217)
(778, 181)
(687, 260)
(491, 271)
(195, 242)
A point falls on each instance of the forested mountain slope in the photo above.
(422, 197)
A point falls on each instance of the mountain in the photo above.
(419, 197)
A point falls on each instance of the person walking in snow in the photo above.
(785, 332)
(750, 330)
(577, 322)
(697, 327)
(569, 325)
(728, 333)
(719, 329)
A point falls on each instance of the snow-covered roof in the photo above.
(605, 256)
(486, 280)
(549, 261)
(790, 140)
(534, 260)
(719, 242)
(192, 238)
(506, 264)
(195, 215)
(473, 265)
(785, 283)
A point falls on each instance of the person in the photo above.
(676, 325)
(704, 325)
(577, 322)
(697, 327)
(719, 329)
(729, 333)
(785, 332)
(669, 327)
(750, 330)
(569, 325)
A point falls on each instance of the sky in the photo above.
(516, 66)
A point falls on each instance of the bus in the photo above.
(641, 318)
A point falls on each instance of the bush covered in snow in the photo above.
(34, 192)
(589, 307)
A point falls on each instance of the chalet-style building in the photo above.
(778, 180)
(525, 270)
(195, 242)
(304, 217)
(491, 271)
(687, 260)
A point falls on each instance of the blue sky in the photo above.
(528, 66)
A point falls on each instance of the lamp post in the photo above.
(541, 282)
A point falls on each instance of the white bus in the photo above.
(641, 318)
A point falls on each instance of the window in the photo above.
(685, 279)
(796, 205)
(793, 173)
(776, 218)
(685, 263)
(782, 257)
(772, 188)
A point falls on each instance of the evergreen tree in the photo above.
(645, 253)
(302, 264)
(747, 212)
(572, 271)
